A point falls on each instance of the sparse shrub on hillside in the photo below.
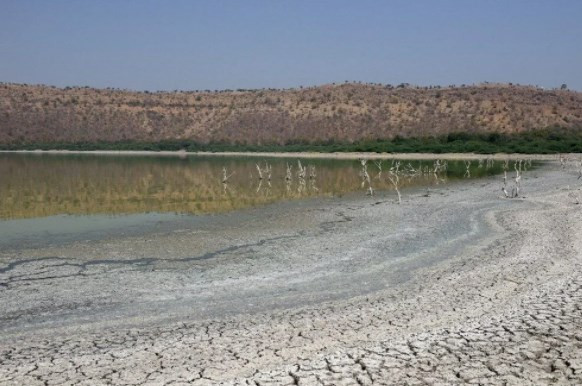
(344, 113)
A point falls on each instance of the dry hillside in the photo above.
(341, 113)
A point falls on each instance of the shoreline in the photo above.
(459, 287)
(307, 155)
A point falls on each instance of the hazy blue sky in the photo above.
(251, 44)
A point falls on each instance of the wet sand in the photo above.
(461, 286)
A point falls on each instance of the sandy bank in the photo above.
(415, 156)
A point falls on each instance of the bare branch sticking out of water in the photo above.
(302, 171)
(407, 171)
(225, 175)
(268, 171)
(395, 179)
(516, 188)
(468, 170)
(301, 186)
(265, 172)
(505, 168)
(517, 167)
(260, 185)
(366, 177)
(289, 173)
(439, 168)
(436, 167)
(312, 174)
(259, 171)
(379, 166)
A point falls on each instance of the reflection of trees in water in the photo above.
(37, 186)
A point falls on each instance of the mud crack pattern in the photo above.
(506, 311)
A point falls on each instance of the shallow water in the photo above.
(52, 196)
(33, 186)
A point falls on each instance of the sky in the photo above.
(222, 44)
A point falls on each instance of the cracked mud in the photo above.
(460, 287)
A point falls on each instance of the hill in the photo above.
(343, 113)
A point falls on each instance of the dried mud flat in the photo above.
(459, 287)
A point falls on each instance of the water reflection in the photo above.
(44, 185)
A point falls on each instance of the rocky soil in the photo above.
(458, 287)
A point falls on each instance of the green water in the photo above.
(42, 185)
(48, 199)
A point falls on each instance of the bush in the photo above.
(549, 140)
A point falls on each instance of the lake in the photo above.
(54, 196)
